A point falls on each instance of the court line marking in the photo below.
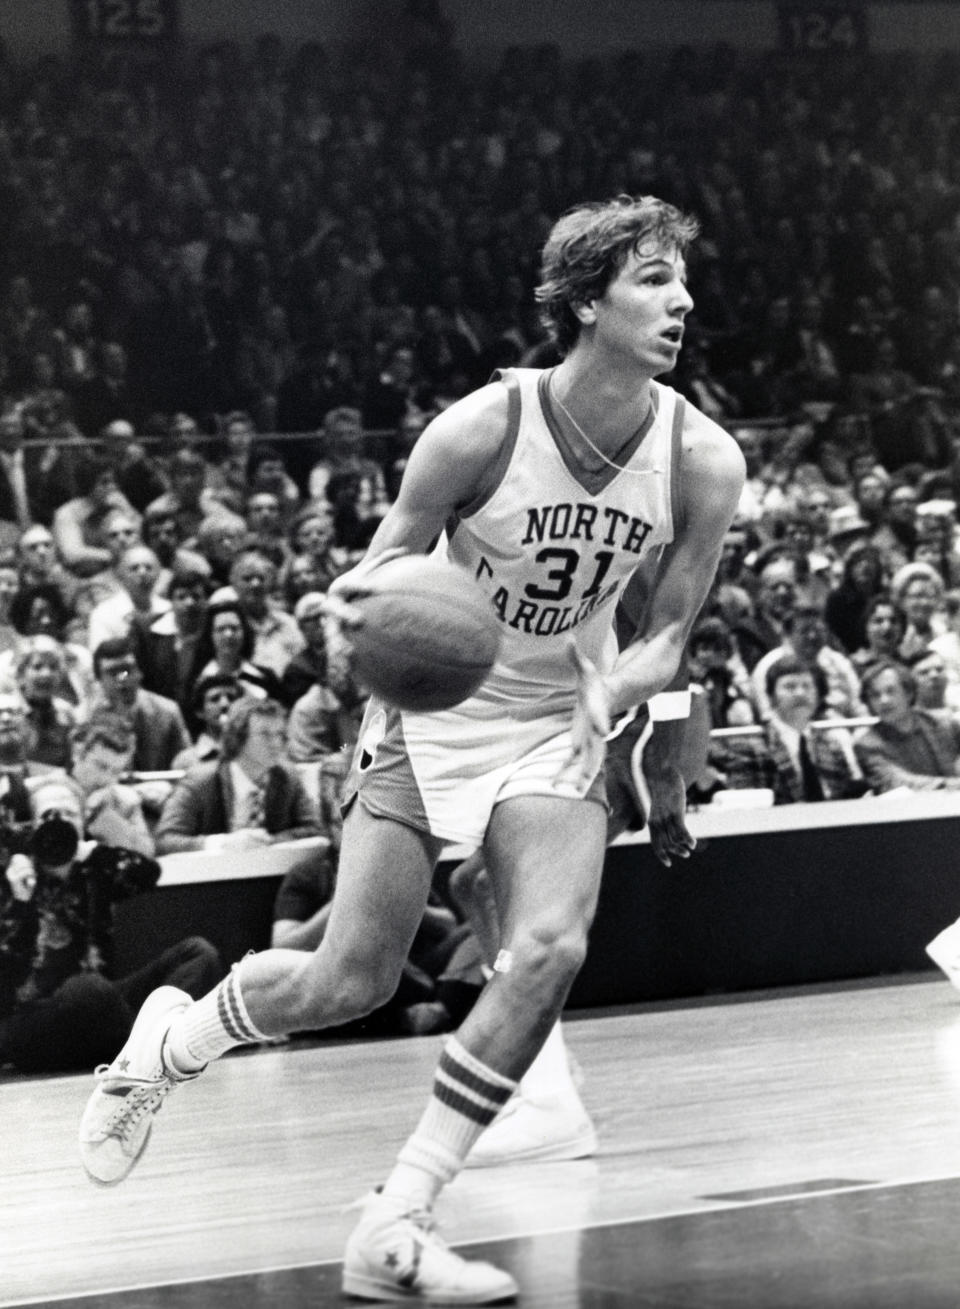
(623, 1221)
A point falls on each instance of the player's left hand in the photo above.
(669, 836)
(589, 728)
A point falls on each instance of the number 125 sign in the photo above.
(124, 21)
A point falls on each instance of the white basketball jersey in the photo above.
(554, 547)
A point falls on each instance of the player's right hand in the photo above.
(669, 836)
(21, 878)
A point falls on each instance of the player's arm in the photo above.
(451, 465)
(712, 476)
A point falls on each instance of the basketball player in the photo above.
(550, 487)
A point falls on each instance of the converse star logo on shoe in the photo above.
(124, 1065)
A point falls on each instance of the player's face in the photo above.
(641, 313)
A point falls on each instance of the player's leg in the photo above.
(545, 1120)
(545, 856)
(382, 886)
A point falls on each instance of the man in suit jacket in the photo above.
(249, 797)
(911, 747)
(157, 722)
(789, 759)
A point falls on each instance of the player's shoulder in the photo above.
(709, 448)
(483, 413)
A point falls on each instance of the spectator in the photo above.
(225, 646)
(189, 499)
(107, 395)
(265, 526)
(777, 596)
(219, 538)
(102, 750)
(138, 570)
(40, 611)
(805, 637)
(884, 625)
(276, 636)
(909, 747)
(138, 477)
(38, 563)
(60, 1007)
(929, 669)
(312, 533)
(78, 524)
(896, 535)
(863, 577)
(309, 665)
(40, 667)
(156, 721)
(251, 797)
(717, 669)
(918, 589)
(266, 472)
(343, 453)
(790, 759)
(20, 478)
(212, 698)
(947, 643)
(166, 645)
(16, 748)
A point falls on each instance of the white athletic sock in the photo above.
(210, 1027)
(467, 1096)
(549, 1076)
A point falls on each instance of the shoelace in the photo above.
(144, 1096)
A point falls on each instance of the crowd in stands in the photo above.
(235, 291)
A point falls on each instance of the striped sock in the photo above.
(208, 1028)
(467, 1096)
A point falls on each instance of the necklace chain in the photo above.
(621, 468)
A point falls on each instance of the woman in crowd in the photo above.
(225, 646)
(40, 668)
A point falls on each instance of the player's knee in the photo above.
(550, 956)
(363, 983)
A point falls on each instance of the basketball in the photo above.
(429, 635)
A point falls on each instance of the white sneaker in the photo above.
(944, 950)
(395, 1254)
(118, 1118)
(542, 1130)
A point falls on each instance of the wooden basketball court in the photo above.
(776, 1151)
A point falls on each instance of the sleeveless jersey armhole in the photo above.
(507, 445)
(676, 450)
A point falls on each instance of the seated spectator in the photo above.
(251, 796)
(440, 979)
(884, 625)
(343, 453)
(934, 691)
(138, 477)
(354, 523)
(918, 590)
(276, 636)
(78, 524)
(228, 476)
(138, 570)
(909, 747)
(211, 700)
(166, 644)
(102, 755)
(40, 667)
(790, 759)
(39, 610)
(895, 536)
(267, 473)
(312, 533)
(219, 539)
(309, 665)
(16, 747)
(39, 564)
(61, 1007)
(157, 723)
(863, 576)
(265, 529)
(226, 645)
(805, 636)
(9, 586)
(947, 643)
(777, 595)
(715, 667)
(161, 533)
(189, 499)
